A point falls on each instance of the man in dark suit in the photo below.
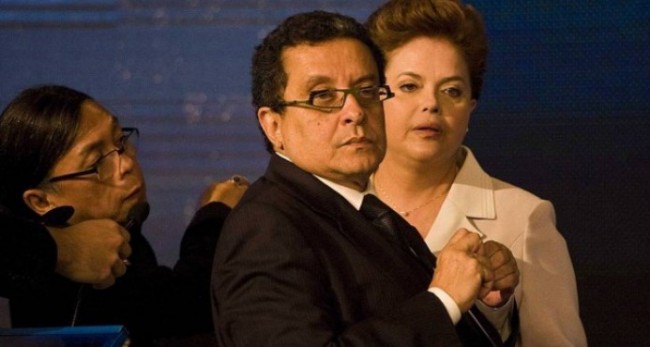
(296, 263)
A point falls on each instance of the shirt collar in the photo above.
(354, 197)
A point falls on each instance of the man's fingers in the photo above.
(239, 180)
(466, 241)
(487, 285)
(486, 271)
(507, 282)
(126, 235)
(502, 262)
(504, 266)
(119, 268)
(491, 248)
(459, 234)
(125, 251)
(505, 271)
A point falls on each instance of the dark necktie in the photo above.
(397, 229)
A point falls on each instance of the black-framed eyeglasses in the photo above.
(107, 164)
(328, 100)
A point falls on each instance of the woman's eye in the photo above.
(408, 87)
(453, 92)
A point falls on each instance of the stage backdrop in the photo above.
(564, 113)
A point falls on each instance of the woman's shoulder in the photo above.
(503, 191)
(519, 206)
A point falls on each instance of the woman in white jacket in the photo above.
(436, 53)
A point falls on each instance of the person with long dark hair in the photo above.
(66, 161)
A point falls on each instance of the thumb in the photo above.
(458, 235)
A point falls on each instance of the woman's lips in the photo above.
(428, 130)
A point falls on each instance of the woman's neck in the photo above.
(407, 184)
(416, 190)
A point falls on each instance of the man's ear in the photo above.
(38, 200)
(271, 123)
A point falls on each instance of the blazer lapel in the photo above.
(471, 197)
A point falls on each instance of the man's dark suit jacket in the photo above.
(298, 265)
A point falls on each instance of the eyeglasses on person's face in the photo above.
(109, 163)
(328, 100)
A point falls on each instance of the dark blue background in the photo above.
(564, 113)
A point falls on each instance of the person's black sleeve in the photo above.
(27, 255)
(194, 267)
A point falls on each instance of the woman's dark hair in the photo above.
(397, 22)
(36, 128)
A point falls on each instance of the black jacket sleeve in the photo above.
(174, 302)
(194, 267)
(27, 255)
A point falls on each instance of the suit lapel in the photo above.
(450, 219)
(391, 262)
(389, 258)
